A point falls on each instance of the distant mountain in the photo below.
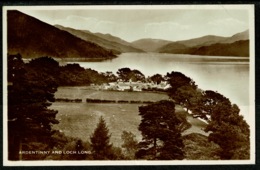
(202, 41)
(115, 39)
(106, 41)
(174, 47)
(236, 45)
(237, 37)
(33, 38)
(150, 45)
(238, 48)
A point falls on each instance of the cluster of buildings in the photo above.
(133, 86)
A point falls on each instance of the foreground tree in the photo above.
(159, 128)
(30, 93)
(100, 141)
(232, 138)
(129, 144)
(227, 128)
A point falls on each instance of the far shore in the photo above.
(94, 59)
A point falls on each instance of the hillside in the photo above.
(33, 38)
(201, 41)
(237, 37)
(236, 45)
(114, 44)
(175, 47)
(150, 45)
(118, 40)
(238, 48)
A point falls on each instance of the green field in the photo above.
(80, 119)
(88, 92)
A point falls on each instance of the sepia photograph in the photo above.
(128, 85)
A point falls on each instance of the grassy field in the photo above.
(86, 92)
(80, 119)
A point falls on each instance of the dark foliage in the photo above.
(229, 130)
(75, 75)
(159, 128)
(178, 80)
(30, 92)
(127, 74)
(63, 143)
(100, 141)
(157, 78)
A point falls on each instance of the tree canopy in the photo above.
(227, 128)
(159, 128)
(157, 78)
(29, 96)
(178, 80)
(100, 141)
(126, 74)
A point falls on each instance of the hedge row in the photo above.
(68, 100)
(102, 101)
(115, 101)
(99, 101)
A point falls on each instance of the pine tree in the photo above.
(100, 141)
(30, 93)
(161, 135)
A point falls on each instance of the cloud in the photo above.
(166, 30)
(165, 26)
(227, 22)
(226, 27)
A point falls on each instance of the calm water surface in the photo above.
(227, 75)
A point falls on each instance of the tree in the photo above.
(228, 129)
(78, 148)
(124, 74)
(212, 105)
(157, 78)
(46, 65)
(73, 74)
(186, 96)
(31, 91)
(177, 80)
(159, 128)
(127, 74)
(129, 144)
(110, 77)
(100, 141)
(136, 75)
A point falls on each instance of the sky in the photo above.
(135, 23)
